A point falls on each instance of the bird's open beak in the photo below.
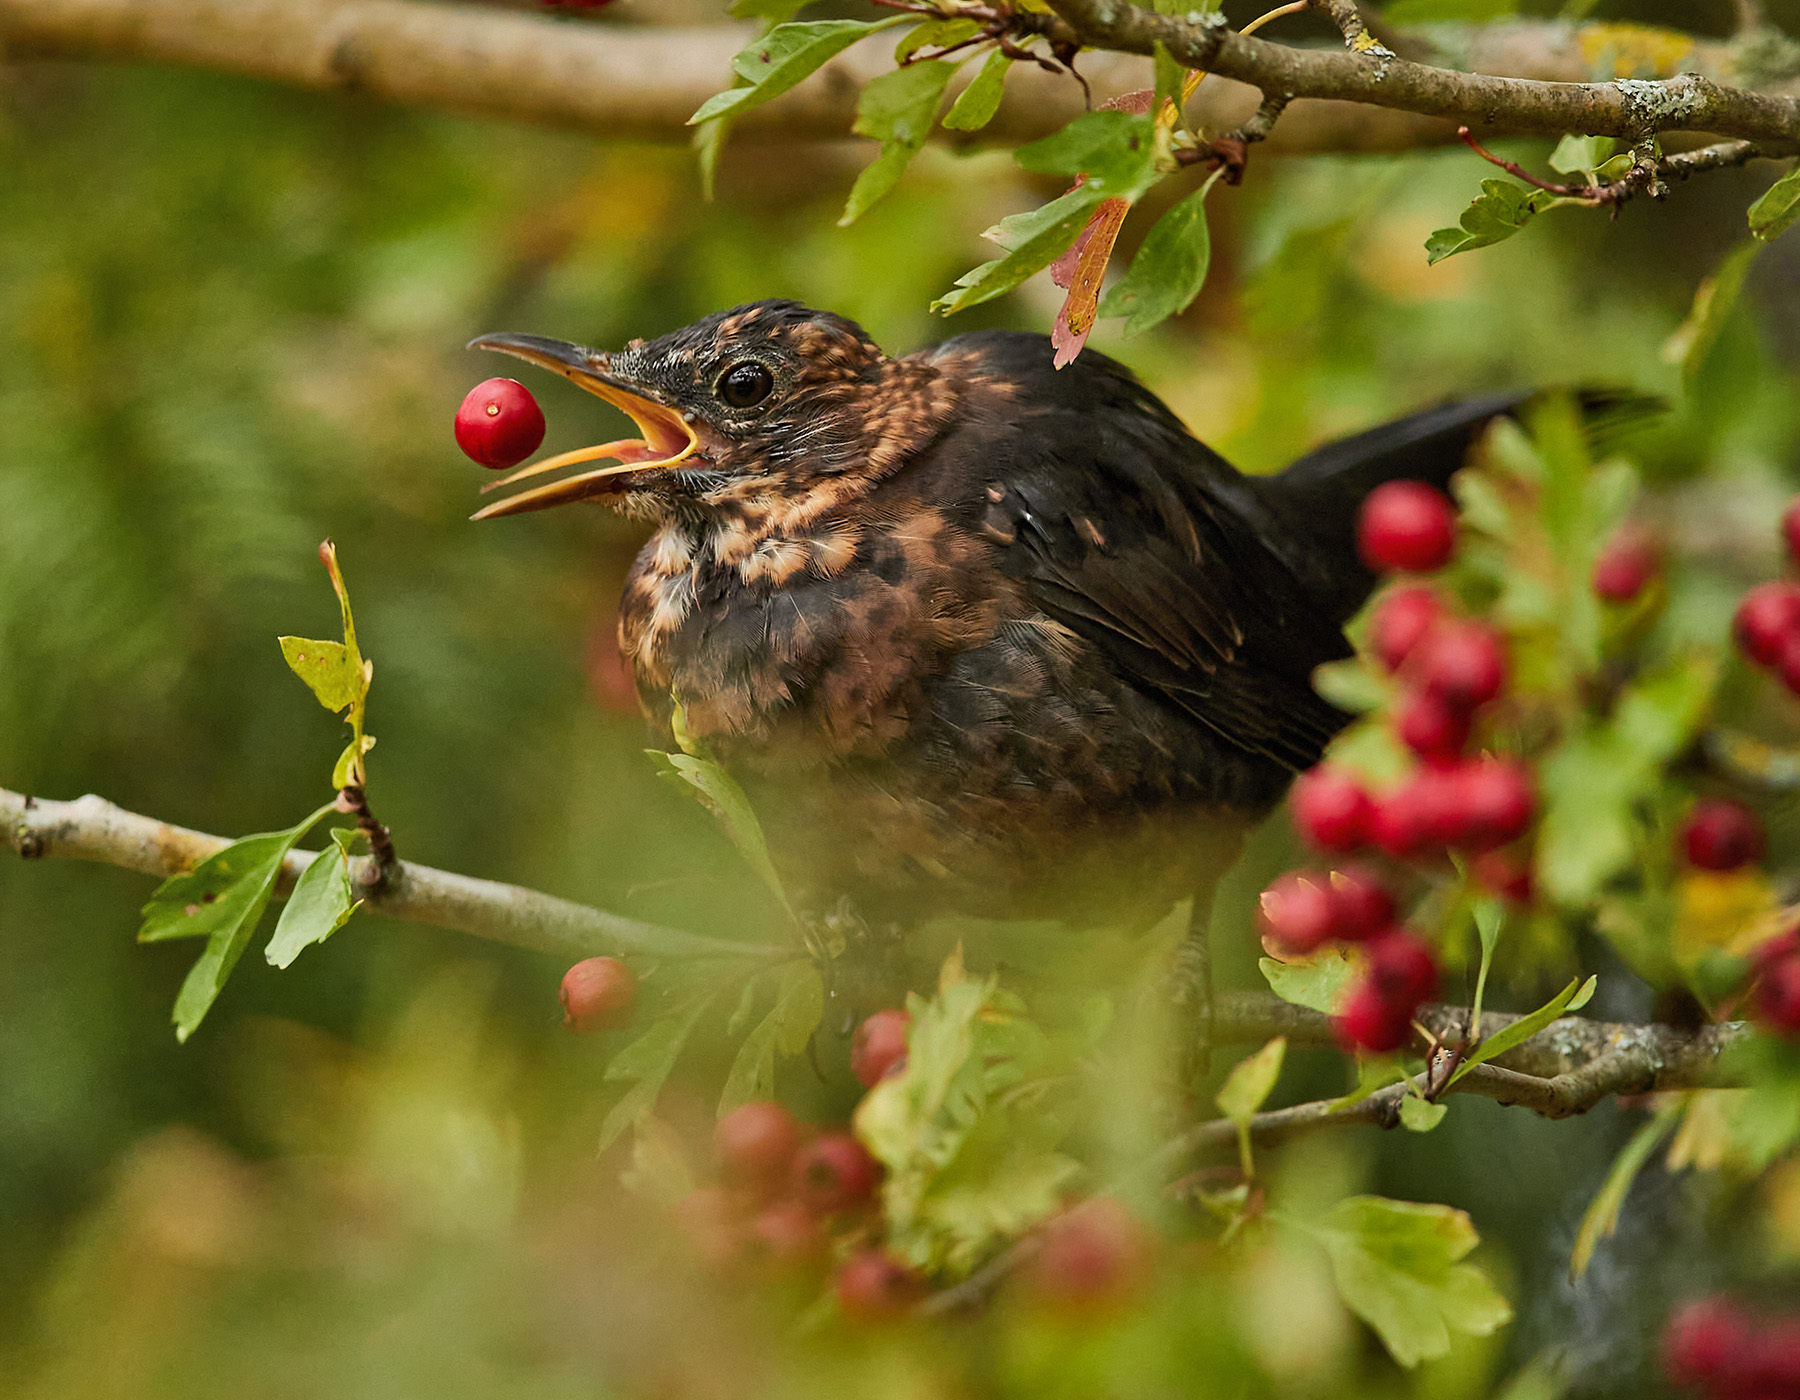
(667, 437)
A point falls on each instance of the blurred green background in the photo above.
(231, 321)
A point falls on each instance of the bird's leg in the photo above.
(1193, 994)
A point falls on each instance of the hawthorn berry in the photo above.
(1505, 874)
(1790, 529)
(873, 1285)
(1722, 835)
(1494, 802)
(499, 423)
(1778, 995)
(879, 1048)
(1369, 1021)
(1361, 905)
(1400, 622)
(1787, 662)
(1702, 1340)
(756, 1143)
(1297, 913)
(1331, 809)
(1421, 814)
(1766, 617)
(1402, 969)
(1627, 563)
(1462, 663)
(787, 1233)
(1406, 525)
(832, 1173)
(598, 994)
(1431, 727)
(1095, 1254)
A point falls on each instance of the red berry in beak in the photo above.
(499, 423)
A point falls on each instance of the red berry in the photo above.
(598, 994)
(1092, 1255)
(1429, 726)
(1402, 969)
(1506, 875)
(1422, 814)
(1297, 913)
(874, 1285)
(1778, 995)
(1369, 1021)
(756, 1143)
(1400, 622)
(1722, 835)
(1787, 661)
(1770, 1366)
(1766, 617)
(1773, 950)
(1790, 529)
(787, 1233)
(1361, 905)
(1495, 802)
(499, 423)
(1331, 809)
(832, 1173)
(1627, 562)
(880, 1046)
(1406, 525)
(1462, 663)
(1702, 1341)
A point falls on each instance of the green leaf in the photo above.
(1419, 1116)
(1169, 269)
(1353, 685)
(1714, 300)
(1447, 11)
(328, 669)
(1500, 211)
(1033, 239)
(222, 899)
(719, 793)
(646, 1064)
(786, 55)
(1577, 154)
(1170, 76)
(897, 109)
(709, 144)
(1116, 150)
(934, 33)
(778, 10)
(1602, 1215)
(321, 904)
(1773, 214)
(1571, 998)
(1251, 1081)
(345, 768)
(1317, 981)
(1396, 1265)
(787, 1029)
(976, 104)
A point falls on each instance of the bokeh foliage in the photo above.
(230, 325)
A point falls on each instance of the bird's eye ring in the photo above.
(746, 384)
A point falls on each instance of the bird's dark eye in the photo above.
(745, 384)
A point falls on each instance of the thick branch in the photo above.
(91, 828)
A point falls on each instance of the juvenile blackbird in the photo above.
(975, 634)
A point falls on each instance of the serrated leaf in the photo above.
(321, 904)
(1497, 213)
(1396, 1266)
(1418, 1116)
(1169, 269)
(646, 1064)
(1317, 981)
(1602, 1215)
(719, 793)
(1774, 213)
(1251, 1081)
(976, 104)
(1027, 1185)
(1033, 240)
(786, 1029)
(1575, 155)
(786, 55)
(222, 899)
(740, 1015)
(326, 667)
(896, 109)
(1571, 998)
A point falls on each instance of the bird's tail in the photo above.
(1320, 494)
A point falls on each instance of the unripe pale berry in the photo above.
(1331, 809)
(880, 1046)
(1766, 617)
(1722, 835)
(1400, 621)
(833, 1173)
(499, 423)
(756, 1143)
(1406, 525)
(598, 994)
(873, 1285)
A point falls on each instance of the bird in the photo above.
(976, 635)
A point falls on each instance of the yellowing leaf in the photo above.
(1317, 981)
(325, 667)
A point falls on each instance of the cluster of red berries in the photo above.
(499, 424)
(1767, 624)
(1731, 1353)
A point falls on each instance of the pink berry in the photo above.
(879, 1048)
(1790, 529)
(1422, 814)
(598, 994)
(1369, 1021)
(1778, 995)
(1495, 802)
(1406, 525)
(1505, 874)
(1093, 1255)
(1722, 835)
(499, 423)
(1297, 913)
(1702, 1341)
(1430, 727)
(1462, 663)
(873, 1285)
(1627, 562)
(1766, 617)
(1402, 969)
(1361, 905)
(1331, 809)
(832, 1173)
(756, 1143)
(1400, 622)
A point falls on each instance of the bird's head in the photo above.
(766, 397)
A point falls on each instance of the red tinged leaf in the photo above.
(1090, 254)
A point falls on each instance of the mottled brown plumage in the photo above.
(973, 633)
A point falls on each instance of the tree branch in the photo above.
(91, 828)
